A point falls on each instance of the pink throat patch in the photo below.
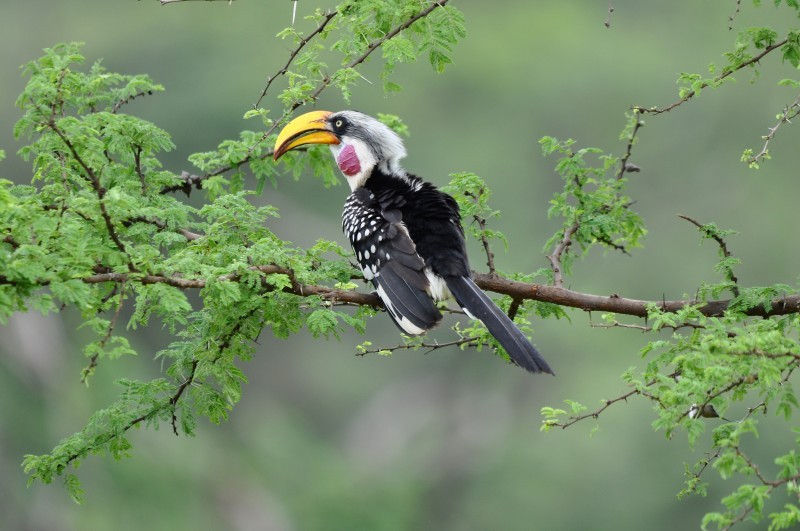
(348, 161)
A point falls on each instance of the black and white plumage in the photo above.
(406, 234)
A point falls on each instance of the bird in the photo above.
(405, 233)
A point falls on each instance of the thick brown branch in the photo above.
(494, 283)
(616, 304)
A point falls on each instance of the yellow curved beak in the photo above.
(308, 128)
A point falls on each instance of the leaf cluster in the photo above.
(359, 27)
(592, 204)
(97, 233)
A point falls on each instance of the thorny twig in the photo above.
(624, 165)
(89, 369)
(416, 346)
(481, 221)
(789, 112)
(732, 17)
(558, 252)
(723, 247)
(326, 18)
(726, 73)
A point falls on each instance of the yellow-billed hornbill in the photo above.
(406, 234)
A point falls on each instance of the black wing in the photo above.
(389, 259)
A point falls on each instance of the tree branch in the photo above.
(89, 369)
(481, 221)
(494, 283)
(416, 346)
(624, 165)
(165, 2)
(725, 74)
(327, 17)
(127, 100)
(94, 180)
(789, 112)
(555, 256)
(708, 231)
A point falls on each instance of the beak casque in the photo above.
(308, 128)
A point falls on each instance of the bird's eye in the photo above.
(338, 123)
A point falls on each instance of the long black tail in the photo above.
(470, 297)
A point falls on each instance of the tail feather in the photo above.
(476, 303)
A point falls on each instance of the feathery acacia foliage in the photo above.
(103, 226)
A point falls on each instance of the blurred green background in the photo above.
(323, 439)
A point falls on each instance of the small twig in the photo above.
(514, 308)
(555, 256)
(173, 401)
(624, 165)
(723, 247)
(644, 328)
(789, 112)
(89, 369)
(607, 23)
(124, 101)
(691, 94)
(608, 243)
(481, 221)
(416, 346)
(137, 164)
(190, 236)
(327, 17)
(486, 247)
(732, 17)
(596, 413)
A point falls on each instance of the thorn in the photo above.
(607, 23)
